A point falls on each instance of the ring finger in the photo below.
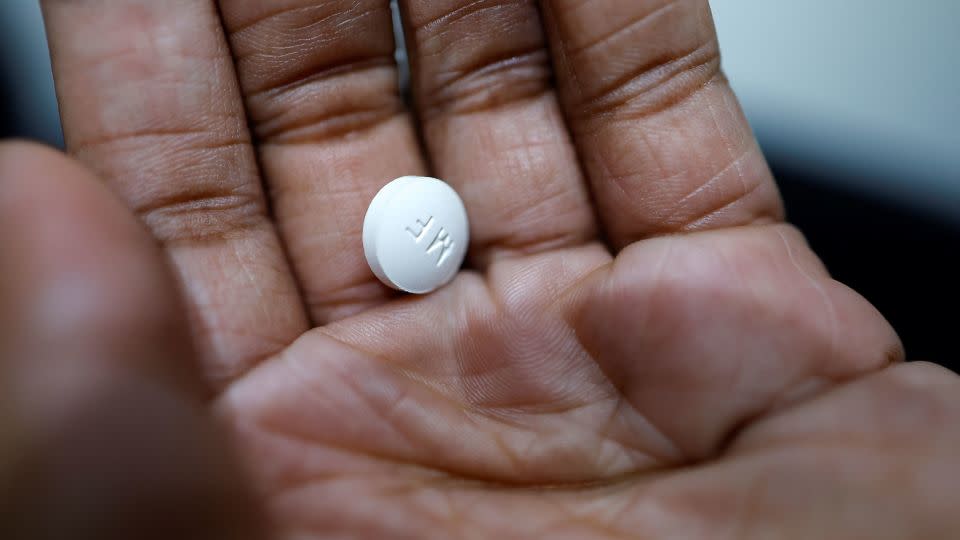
(492, 124)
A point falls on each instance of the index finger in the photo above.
(150, 102)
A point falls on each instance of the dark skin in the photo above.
(193, 346)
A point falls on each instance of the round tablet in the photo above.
(415, 234)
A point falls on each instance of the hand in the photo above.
(638, 347)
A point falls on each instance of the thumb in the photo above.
(103, 429)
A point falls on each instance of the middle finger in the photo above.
(320, 85)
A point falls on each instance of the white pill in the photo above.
(415, 234)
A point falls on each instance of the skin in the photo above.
(193, 346)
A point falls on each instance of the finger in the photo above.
(320, 84)
(735, 323)
(661, 135)
(492, 124)
(149, 100)
(80, 275)
(101, 390)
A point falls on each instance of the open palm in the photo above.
(637, 347)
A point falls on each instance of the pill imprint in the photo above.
(415, 234)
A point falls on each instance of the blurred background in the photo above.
(856, 103)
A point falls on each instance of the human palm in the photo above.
(638, 347)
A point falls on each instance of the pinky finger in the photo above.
(664, 143)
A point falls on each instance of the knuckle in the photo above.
(197, 215)
(328, 104)
(186, 185)
(480, 55)
(317, 71)
(650, 57)
(491, 83)
(654, 86)
(309, 38)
